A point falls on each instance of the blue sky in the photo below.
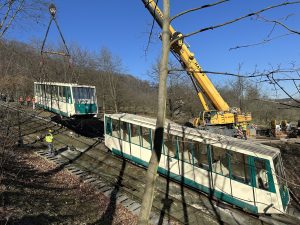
(123, 27)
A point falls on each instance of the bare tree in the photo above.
(160, 122)
(18, 10)
(178, 90)
(110, 67)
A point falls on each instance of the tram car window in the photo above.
(201, 156)
(220, 161)
(146, 137)
(125, 132)
(59, 98)
(135, 134)
(186, 151)
(278, 170)
(116, 128)
(108, 127)
(239, 167)
(261, 174)
(170, 145)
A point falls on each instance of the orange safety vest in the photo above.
(28, 99)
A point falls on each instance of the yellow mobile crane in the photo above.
(223, 114)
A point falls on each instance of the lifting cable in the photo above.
(52, 10)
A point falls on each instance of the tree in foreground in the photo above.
(160, 122)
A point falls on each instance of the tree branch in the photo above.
(259, 43)
(20, 7)
(271, 78)
(198, 8)
(233, 20)
(151, 31)
(6, 15)
(281, 24)
(251, 75)
(279, 103)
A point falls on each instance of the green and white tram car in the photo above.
(241, 173)
(66, 99)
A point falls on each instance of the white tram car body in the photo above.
(245, 174)
(66, 99)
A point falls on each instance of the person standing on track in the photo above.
(33, 102)
(49, 140)
(244, 128)
(28, 100)
(21, 100)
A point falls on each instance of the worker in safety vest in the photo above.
(244, 128)
(235, 128)
(49, 141)
(240, 132)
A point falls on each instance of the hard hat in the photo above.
(50, 131)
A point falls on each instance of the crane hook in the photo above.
(52, 9)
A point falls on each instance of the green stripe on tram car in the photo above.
(85, 108)
(285, 197)
(220, 195)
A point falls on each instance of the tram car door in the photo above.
(263, 180)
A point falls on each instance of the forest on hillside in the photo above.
(21, 64)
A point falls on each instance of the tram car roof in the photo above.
(64, 84)
(244, 146)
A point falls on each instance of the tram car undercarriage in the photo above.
(247, 175)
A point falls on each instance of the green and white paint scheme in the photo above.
(131, 137)
(66, 99)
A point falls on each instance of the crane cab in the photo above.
(213, 118)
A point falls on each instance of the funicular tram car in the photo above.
(66, 99)
(244, 174)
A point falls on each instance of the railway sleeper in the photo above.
(104, 188)
(100, 185)
(79, 172)
(121, 198)
(83, 175)
(133, 207)
(127, 203)
(73, 170)
(88, 179)
(108, 192)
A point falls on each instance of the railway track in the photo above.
(89, 159)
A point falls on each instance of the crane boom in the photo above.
(189, 62)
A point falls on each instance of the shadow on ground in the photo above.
(88, 127)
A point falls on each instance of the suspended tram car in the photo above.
(66, 99)
(241, 173)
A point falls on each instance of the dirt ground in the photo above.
(36, 191)
(291, 155)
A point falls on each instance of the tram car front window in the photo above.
(84, 95)
(84, 99)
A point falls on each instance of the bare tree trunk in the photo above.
(103, 103)
(113, 91)
(161, 113)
